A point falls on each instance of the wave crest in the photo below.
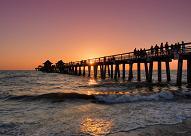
(52, 96)
(103, 98)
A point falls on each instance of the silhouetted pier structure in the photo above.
(109, 66)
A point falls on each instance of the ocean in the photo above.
(50, 104)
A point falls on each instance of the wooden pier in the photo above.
(109, 66)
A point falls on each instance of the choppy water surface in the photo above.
(35, 103)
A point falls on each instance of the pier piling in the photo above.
(168, 71)
(179, 71)
(150, 71)
(123, 70)
(189, 71)
(111, 70)
(159, 71)
(146, 71)
(138, 71)
(89, 70)
(130, 71)
(84, 71)
(95, 71)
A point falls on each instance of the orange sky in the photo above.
(34, 31)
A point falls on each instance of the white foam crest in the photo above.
(133, 98)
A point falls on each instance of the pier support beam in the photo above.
(84, 71)
(189, 71)
(105, 69)
(95, 71)
(117, 71)
(111, 70)
(72, 70)
(80, 71)
(68, 70)
(123, 70)
(150, 71)
(89, 70)
(75, 70)
(138, 71)
(108, 70)
(179, 72)
(146, 71)
(130, 71)
(102, 71)
(168, 71)
(159, 71)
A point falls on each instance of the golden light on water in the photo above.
(92, 82)
(94, 126)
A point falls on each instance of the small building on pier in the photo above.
(60, 66)
(47, 67)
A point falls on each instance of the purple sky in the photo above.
(32, 31)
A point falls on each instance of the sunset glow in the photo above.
(72, 30)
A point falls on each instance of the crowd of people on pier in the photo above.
(156, 50)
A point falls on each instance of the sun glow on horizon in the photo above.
(33, 32)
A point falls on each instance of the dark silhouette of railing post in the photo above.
(159, 71)
(138, 71)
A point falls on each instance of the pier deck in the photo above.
(110, 65)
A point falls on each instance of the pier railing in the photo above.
(149, 53)
(109, 65)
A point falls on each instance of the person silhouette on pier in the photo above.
(104, 59)
(183, 47)
(161, 49)
(144, 52)
(172, 48)
(152, 50)
(135, 53)
(141, 52)
(156, 49)
(178, 48)
(113, 59)
(167, 48)
(138, 53)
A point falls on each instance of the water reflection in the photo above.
(92, 82)
(94, 126)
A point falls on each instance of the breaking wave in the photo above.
(103, 98)
(50, 96)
